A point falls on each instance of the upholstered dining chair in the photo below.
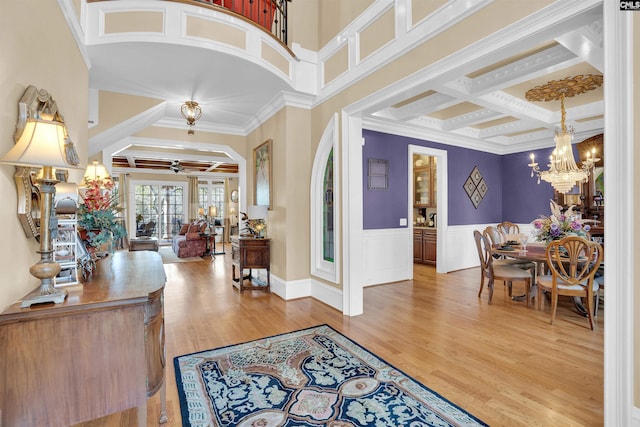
(508, 230)
(492, 271)
(573, 262)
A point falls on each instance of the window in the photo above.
(211, 193)
(327, 212)
(162, 206)
(324, 207)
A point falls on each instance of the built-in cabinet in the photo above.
(424, 245)
(424, 181)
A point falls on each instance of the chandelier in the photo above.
(563, 173)
(191, 111)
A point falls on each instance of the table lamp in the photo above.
(44, 143)
(213, 213)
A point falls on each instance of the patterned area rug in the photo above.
(312, 377)
(168, 256)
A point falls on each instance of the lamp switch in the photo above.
(403, 221)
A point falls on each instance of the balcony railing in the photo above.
(269, 14)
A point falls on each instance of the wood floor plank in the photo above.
(503, 362)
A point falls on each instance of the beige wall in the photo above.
(37, 49)
(303, 24)
(114, 108)
(334, 15)
(288, 223)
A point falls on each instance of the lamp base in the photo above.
(55, 296)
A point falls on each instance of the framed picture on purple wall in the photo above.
(475, 187)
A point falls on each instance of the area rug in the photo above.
(311, 377)
(168, 256)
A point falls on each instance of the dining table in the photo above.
(534, 252)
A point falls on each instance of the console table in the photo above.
(250, 253)
(99, 352)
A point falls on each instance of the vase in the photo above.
(101, 250)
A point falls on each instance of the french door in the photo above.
(160, 207)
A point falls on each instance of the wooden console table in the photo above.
(99, 352)
(250, 253)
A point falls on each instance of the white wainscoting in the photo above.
(302, 288)
(388, 255)
(462, 246)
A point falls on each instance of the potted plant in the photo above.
(98, 215)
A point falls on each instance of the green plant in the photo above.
(98, 213)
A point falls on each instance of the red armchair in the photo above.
(189, 243)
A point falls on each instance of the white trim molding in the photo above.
(319, 266)
(619, 338)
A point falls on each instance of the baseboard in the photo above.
(305, 288)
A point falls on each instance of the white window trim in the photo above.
(319, 266)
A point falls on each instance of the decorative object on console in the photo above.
(475, 187)
(98, 214)
(255, 223)
(563, 173)
(42, 141)
(191, 111)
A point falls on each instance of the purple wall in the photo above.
(523, 199)
(513, 195)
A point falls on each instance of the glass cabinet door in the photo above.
(423, 181)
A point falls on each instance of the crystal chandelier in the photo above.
(191, 111)
(563, 173)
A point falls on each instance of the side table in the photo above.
(249, 253)
(208, 238)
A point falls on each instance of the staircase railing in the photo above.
(269, 14)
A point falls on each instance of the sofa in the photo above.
(189, 242)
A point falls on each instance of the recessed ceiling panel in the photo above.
(455, 111)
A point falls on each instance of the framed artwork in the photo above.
(262, 176)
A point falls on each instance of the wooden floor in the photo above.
(503, 362)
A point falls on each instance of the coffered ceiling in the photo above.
(480, 102)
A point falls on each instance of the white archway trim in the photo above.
(619, 336)
(442, 200)
(319, 266)
(352, 230)
(124, 143)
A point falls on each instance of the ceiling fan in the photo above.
(176, 166)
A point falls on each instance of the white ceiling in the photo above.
(481, 101)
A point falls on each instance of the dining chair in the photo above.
(573, 262)
(508, 230)
(492, 271)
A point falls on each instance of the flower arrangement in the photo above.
(98, 213)
(559, 225)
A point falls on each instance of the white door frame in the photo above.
(442, 200)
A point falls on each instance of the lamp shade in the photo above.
(201, 211)
(95, 171)
(258, 212)
(213, 211)
(42, 143)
